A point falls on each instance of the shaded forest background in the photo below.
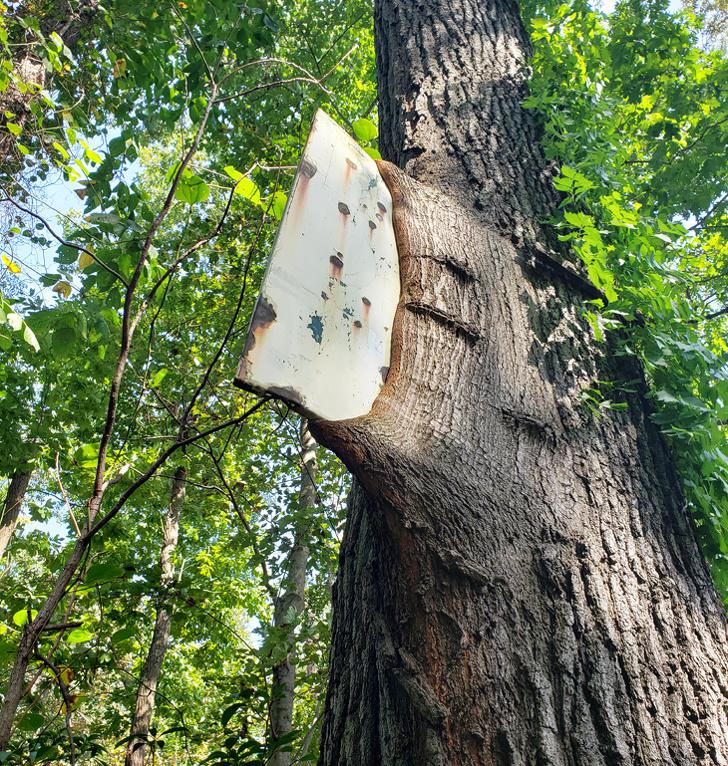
(198, 519)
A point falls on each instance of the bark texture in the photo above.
(146, 693)
(519, 581)
(291, 602)
(11, 508)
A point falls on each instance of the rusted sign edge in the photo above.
(262, 310)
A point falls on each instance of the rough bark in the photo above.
(519, 581)
(11, 508)
(291, 602)
(149, 679)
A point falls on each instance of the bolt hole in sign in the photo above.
(321, 330)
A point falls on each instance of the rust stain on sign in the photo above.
(321, 331)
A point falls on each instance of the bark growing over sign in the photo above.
(520, 581)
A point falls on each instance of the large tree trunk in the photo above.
(146, 693)
(291, 602)
(11, 508)
(519, 580)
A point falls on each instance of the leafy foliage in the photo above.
(637, 114)
(178, 128)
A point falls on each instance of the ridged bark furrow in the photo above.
(451, 80)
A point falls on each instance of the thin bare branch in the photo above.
(230, 327)
(161, 460)
(65, 498)
(58, 238)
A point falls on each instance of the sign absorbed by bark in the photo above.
(320, 334)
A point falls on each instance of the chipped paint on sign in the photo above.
(321, 331)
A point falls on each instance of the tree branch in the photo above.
(160, 461)
(66, 701)
(58, 238)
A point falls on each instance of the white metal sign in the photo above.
(321, 330)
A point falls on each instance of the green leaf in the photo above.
(93, 156)
(278, 204)
(373, 153)
(248, 189)
(123, 634)
(159, 376)
(191, 189)
(286, 739)
(579, 220)
(236, 175)
(230, 711)
(103, 572)
(86, 456)
(14, 128)
(63, 339)
(30, 339)
(364, 129)
(79, 636)
(31, 721)
(20, 618)
(66, 156)
(593, 320)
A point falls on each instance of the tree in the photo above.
(144, 706)
(22, 82)
(11, 508)
(635, 114)
(520, 581)
(290, 603)
(197, 279)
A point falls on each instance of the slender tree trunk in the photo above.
(291, 602)
(519, 581)
(144, 707)
(11, 509)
